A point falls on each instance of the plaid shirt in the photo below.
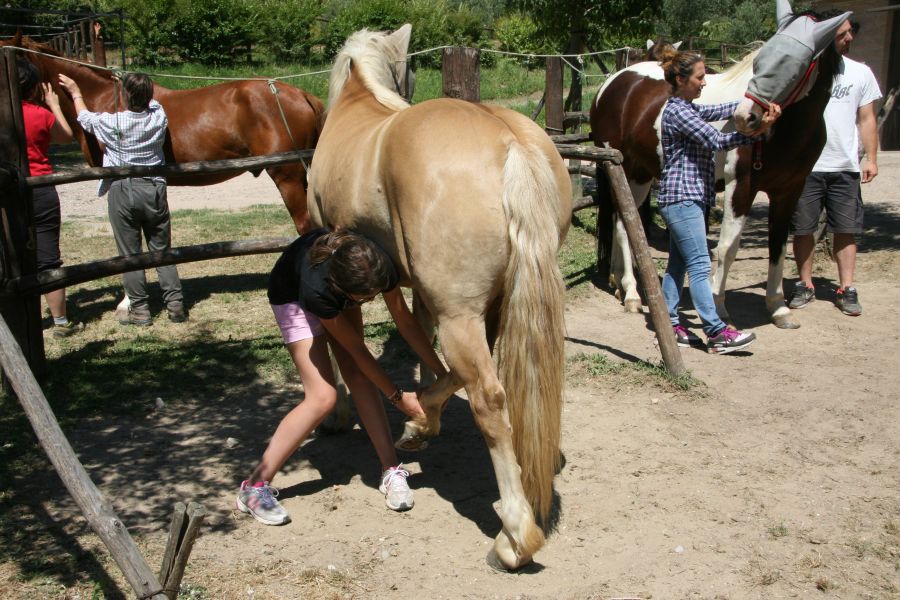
(689, 143)
(131, 138)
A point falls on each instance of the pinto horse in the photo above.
(472, 202)
(228, 120)
(794, 68)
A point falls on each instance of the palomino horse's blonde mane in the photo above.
(378, 59)
(739, 70)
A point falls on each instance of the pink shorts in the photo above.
(295, 323)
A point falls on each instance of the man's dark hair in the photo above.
(824, 15)
(138, 91)
(29, 78)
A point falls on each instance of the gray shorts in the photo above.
(839, 193)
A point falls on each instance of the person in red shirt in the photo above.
(43, 126)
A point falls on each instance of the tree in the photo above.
(572, 24)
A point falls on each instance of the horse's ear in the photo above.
(677, 44)
(400, 38)
(649, 44)
(826, 30)
(17, 40)
(783, 12)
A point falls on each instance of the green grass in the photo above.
(638, 373)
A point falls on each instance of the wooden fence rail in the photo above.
(203, 167)
(54, 279)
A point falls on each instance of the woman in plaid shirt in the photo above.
(687, 188)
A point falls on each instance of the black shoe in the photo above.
(176, 311)
(137, 316)
(802, 296)
(848, 301)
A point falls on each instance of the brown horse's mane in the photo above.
(33, 46)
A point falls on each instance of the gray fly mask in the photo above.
(786, 62)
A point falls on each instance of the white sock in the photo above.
(61, 321)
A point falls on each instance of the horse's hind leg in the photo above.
(466, 350)
(291, 182)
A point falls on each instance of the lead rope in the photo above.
(284, 120)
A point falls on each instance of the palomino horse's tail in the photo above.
(532, 327)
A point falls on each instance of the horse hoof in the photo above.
(785, 322)
(412, 439)
(494, 562)
(633, 306)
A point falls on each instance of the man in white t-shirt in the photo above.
(835, 179)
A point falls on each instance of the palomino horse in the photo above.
(794, 68)
(471, 202)
(228, 120)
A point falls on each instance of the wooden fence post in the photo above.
(659, 315)
(461, 73)
(553, 97)
(17, 245)
(94, 506)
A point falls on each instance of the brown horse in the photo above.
(795, 68)
(472, 202)
(228, 120)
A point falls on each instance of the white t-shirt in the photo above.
(854, 86)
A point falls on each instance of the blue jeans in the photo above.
(689, 254)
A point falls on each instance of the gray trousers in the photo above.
(138, 205)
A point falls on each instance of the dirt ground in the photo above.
(778, 478)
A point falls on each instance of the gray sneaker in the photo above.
(848, 301)
(802, 295)
(259, 501)
(397, 494)
(70, 328)
(729, 340)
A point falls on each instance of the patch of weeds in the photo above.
(863, 548)
(823, 584)
(189, 591)
(598, 366)
(762, 574)
(577, 257)
(768, 577)
(777, 531)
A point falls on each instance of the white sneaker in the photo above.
(397, 494)
(260, 502)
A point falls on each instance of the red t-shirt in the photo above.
(38, 121)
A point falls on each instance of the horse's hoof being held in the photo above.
(414, 438)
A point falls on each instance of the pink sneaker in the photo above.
(729, 340)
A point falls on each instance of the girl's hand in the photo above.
(409, 405)
(50, 97)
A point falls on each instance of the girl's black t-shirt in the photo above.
(294, 279)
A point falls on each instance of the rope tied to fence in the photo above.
(274, 89)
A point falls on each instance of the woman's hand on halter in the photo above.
(769, 118)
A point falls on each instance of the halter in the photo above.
(794, 96)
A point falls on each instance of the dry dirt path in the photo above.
(779, 478)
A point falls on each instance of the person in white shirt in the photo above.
(835, 179)
(137, 205)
